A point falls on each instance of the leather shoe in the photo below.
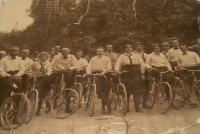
(146, 106)
(39, 114)
(175, 107)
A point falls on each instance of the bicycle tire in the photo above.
(122, 97)
(79, 89)
(92, 100)
(56, 109)
(8, 108)
(47, 103)
(179, 92)
(33, 100)
(162, 101)
(113, 97)
(151, 95)
(87, 96)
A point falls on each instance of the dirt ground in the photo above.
(184, 121)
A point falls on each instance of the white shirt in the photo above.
(124, 60)
(8, 64)
(173, 54)
(27, 62)
(158, 60)
(65, 63)
(189, 59)
(142, 55)
(82, 63)
(97, 63)
(36, 68)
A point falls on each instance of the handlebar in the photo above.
(96, 75)
(80, 76)
(163, 72)
(184, 69)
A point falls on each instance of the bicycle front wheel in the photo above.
(14, 111)
(179, 92)
(113, 97)
(92, 100)
(122, 99)
(33, 99)
(65, 103)
(151, 95)
(163, 97)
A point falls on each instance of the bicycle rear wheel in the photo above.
(65, 103)
(14, 111)
(179, 92)
(151, 95)
(79, 89)
(122, 99)
(33, 99)
(163, 97)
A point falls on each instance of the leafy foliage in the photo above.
(108, 21)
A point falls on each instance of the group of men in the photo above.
(12, 65)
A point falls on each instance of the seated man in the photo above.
(2, 54)
(189, 60)
(101, 64)
(11, 66)
(27, 62)
(68, 64)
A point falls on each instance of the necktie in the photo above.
(12, 58)
(42, 68)
(65, 57)
(176, 48)
(130, 59)
(23, 58)
(185, 53)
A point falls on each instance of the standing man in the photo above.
(109, 53)
(190, 61)
(195, 48)
(57, 49)
(10, 66)
(82, 62)
(2, 54)
(165, 48)
(139, 49)
(102, 65)
(174, 52)
(27, 62)
(68, 64)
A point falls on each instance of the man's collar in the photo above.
(129, 54)
(155, 53)
(10, 57)
(175, 48)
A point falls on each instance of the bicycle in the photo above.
(64, 97)
(122, 99)
(183, 91)
(15, 109)
(91, 94)
(113, 91)
(79, 88)
(160, 93)
(32, 95)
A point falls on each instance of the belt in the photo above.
(12, 72)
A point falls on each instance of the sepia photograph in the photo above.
(99, 66)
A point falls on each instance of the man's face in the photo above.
(198, 41)
(166, 47)
(52, 52)
(57, 49)
(128, 49)
(79, 54)
(100, 51)
(139, 48)
(156, 49)
(2, 54)
(183, 49)
(175, 43)
(65, 52)
(14, 52)
(25, 53)
(109, 48)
